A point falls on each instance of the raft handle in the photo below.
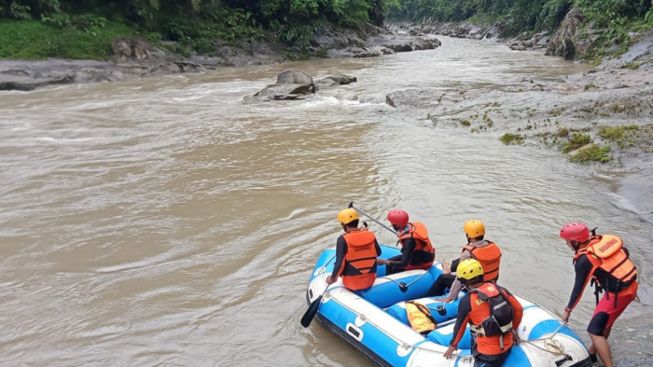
(354, 332)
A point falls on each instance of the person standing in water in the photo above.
(604, 260)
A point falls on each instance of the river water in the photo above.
(162, 222)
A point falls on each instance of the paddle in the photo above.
(312, 310)
(351, 205)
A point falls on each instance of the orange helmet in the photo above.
(474, 228)
(347, 216)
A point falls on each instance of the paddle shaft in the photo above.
(351, 205)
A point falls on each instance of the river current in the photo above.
(162, 222)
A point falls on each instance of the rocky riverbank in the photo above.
(603, 115)
(133, 58)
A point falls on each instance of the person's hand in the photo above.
(446, 267)
(515, 337)
(565, 315)
(330, 280)
(449, 351)
(382, 261)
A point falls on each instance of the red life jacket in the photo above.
(491, 319)
(359, 265)
(607, 252)
(490, 258)
(418, 231)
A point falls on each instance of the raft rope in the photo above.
(549, 342)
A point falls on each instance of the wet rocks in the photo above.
(418, 98)
(291, 84)
(334, 80)
(527, 42)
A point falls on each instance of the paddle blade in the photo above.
(311, 312)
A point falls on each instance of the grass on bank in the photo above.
(593, 153)
(621, 135)
(32, 40)
(576, 141)
(509, 138)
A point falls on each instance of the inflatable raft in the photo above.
(375, 322)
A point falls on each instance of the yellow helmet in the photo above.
(474, 228)
(469, 269)
(346, 216)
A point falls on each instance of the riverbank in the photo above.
(136, 57)
(603, 115)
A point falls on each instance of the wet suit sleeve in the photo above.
(583, 268)
(407, 249)
(377, 247)
(341, 250)
(464, 308)
(457, 286)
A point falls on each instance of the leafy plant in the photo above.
(576, 141)
(593, 153)
(509, 138)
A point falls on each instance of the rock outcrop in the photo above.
(571, 40)
(291, 84)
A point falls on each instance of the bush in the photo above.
(511, 139)
(576, 141)
(593, 153)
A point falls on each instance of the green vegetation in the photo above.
(562, 132)
(593, 153)
(618, 134)
(509, 138)
(30, 39)
(518, 16)
(85, 28)
(576, 141)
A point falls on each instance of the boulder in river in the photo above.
(334, 80)
(291, 84)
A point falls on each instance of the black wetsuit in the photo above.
(408, 257)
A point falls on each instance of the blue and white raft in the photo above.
(374, 321)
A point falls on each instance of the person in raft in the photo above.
(493, 315)
(605, 261)
(356, 254)
(417, 252)
(486, 252)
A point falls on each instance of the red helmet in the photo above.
(575, 231)
(398, 217)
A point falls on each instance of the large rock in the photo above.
(124, 49)
(291, 84)
(571, 40)
(420, 98)
(334, 80)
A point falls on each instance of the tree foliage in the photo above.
(519, 15)
(191, 21)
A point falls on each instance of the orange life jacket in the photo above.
(490, 258)
(359, 266)
(481, 316)
(608, 253)
(417, 231)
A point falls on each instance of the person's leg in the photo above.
(393, 269)
(484, 360)
(602, 348)
(441, 284)
(606, 313)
